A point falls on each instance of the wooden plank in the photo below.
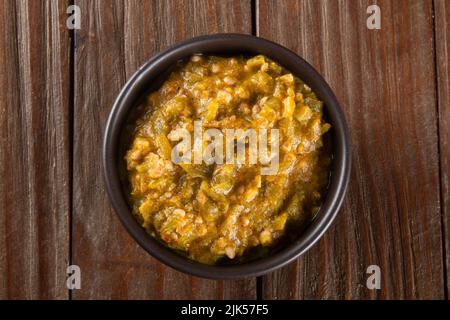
(442, 30)
(115, 38)
(34, 150)
(384, 80)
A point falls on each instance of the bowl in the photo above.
(150, 76)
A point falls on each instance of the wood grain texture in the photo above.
(393, 88)
(114, 40)
(34, 150)
(442, 30)
(385, 81)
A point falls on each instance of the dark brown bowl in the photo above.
(149, 77)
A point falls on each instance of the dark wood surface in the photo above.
(442, 29)
(58, 87)
(35, 148)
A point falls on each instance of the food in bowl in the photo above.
(213, 211)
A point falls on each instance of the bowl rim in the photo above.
(216, 44)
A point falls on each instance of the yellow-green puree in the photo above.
(220, 211)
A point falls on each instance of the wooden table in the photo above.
(58, 86)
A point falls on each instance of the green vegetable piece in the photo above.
(164, 147)
(211, 110)
(256, 62)
(223, 178)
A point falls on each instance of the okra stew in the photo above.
(218, 212)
